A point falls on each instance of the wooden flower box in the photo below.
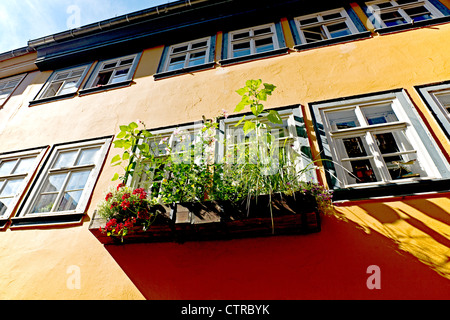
(211, 220)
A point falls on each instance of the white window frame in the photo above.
(26, 177)
(55, 78)
(48, 169)
(252, 38)
(322, 23)
(7, 87)
(188, 53)
(292, 141)
(366, 131)
(376, 11)
(166, 138)
(101, 68)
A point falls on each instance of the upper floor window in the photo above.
(7, 87)
(16, 170)
(63, 82)
(392, 13)
(188, 54)
(325, 25)
(379, 140)
(114, 71)
(67, 180)
(437, 97)
(254, 40)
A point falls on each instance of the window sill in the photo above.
(391, 190)
(54, 98)
(210, 221)
(105, 87)
(268, 54)
(352, 37)
(168, 74)
(46, 220)
(407, 26)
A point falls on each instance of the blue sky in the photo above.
(24, 20)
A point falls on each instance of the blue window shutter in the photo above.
(280, 35)
(164, 57)
(294, 31)
(356, 21)
(225, 45)
(212, 48)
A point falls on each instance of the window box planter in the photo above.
(224, 220)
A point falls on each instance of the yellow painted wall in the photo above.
(34, 263)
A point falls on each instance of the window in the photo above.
(437, 97)
(378, 141)
(252, 41)
(393, 13)
(290, 143)
(67, 180)
(113, 72)
(16, 170)
(64, 82)
(188, 54)
(326, 25)
(7, 87)
(179, 143)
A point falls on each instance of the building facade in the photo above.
(364, 86)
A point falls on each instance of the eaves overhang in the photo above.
(172, 23)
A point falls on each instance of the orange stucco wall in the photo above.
(408, 238)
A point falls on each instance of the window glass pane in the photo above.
(52, 90)
(418, 13)
(103, 78)
(54, 182)
(69, 201)
(263, 45)
(44, 203)
(241, 35)
(87, 156)
(199, 44)
(126, 62)
(62, 75)
(386, 143)
(379, 114)
(308, 21)
(180, 49)
(10, 188)
(69, 87)
(6, 167)
(24, 165)
(402, 2)
(65, 159)
(109, 65)
(343, 119)
(332, 16)
(262, 31)
(121, 75)
(313, 34)
(383, 5)
(362, 171)
(77, 180)
(354, 147)
(4, 205)
(338, 29)
(241, 49)
(197, 58)
(392, 18)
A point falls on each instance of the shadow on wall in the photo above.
(331, 264)
(418, 226)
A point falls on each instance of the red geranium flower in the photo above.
(120, 186)
(125, 204)
(125, 196)
(109, 196)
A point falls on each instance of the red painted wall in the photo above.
(331, 264)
